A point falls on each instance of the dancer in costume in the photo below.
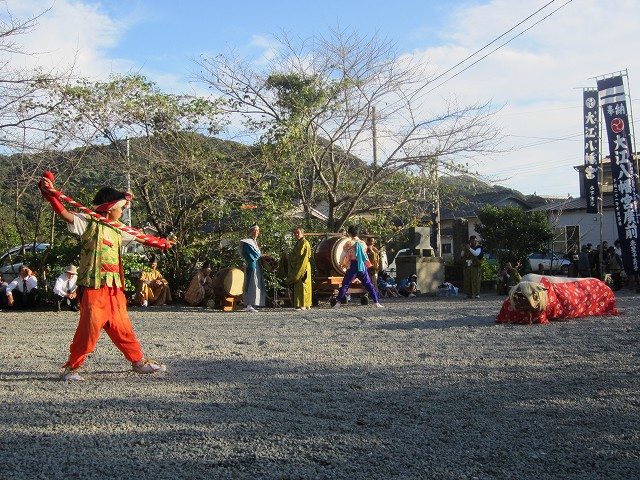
(253, 293)
(356, 256)
(538, 299)
(300, 271)
(100, 277)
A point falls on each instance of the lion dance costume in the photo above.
(538, 299)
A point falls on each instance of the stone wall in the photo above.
(430, 271)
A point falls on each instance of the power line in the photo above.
(497, 48)
(491, 42)
(544, 141)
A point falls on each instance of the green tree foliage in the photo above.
(8, 233)
(181, 178)
(132, 266)
(513, 233)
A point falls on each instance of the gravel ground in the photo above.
(424, 388)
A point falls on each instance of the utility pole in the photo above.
(437, 206)
(375, 140)
(127, 212)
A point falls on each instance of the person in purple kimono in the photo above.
(356, 256)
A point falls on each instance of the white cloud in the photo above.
(266, 45)
(537, 77)
(69, 33)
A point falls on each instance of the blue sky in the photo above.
(535, 79)
(215, 24)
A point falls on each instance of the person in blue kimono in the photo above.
(253, 293)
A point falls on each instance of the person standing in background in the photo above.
(299, 274)
(584, 266)
(472, 255)
(254, 292)
(374, 258)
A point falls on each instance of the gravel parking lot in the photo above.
(424, 388)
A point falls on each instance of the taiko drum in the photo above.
(228, 282)
(327, 256)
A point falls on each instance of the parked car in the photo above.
(392, 266)
(12, 260)
(552, 262)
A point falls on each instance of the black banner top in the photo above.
(625, 200)
(591, 148)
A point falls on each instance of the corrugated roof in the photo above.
(480, 200)
(579, 203)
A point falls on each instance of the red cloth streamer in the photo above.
(54, 197)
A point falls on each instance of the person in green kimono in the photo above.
(472, 255)
(299, 272)
(508, 277)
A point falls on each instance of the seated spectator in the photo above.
(152, 289)
(507, 277)
(387, 285)
(3, 293)
(200, 290)
(23, 291)
(65, 289)
(409, 286)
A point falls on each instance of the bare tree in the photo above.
(24, 93)
(314, 103)
(26, 106)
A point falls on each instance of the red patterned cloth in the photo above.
(567, 298)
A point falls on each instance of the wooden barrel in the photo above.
(228, 282)
(327, 256)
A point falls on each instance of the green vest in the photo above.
(100, 262)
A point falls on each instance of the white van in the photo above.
(391, 269)
(12, 260)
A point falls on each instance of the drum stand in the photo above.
(275, 295)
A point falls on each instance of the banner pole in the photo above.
(633, 129)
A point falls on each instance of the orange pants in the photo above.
(103, 308)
